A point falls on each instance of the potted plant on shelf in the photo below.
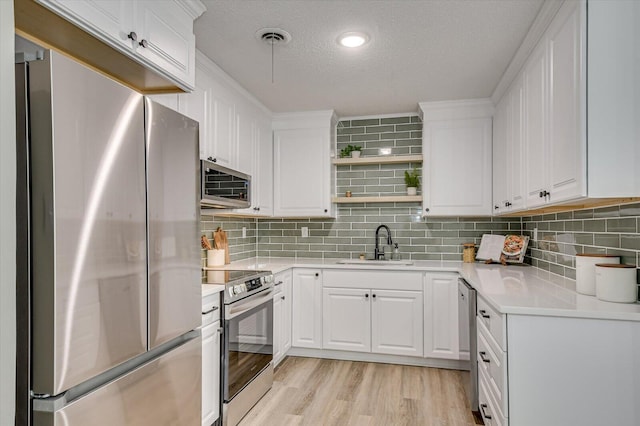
(352, 151)
(412, 180)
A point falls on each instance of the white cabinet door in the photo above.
(166, 37)
(501, 178)
(301, 173)
(457, 166)
(515, 161)
(277, 328)
(307, 308)
(210, 373)
(346, 319)
(223, 126)
(441, 316)
(566, 138)
(264, 173)
(247, 127)
(112, 20)
(287, 301)
(535, 95)
(196, 105)
(397, 322)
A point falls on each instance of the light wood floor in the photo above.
(310, 391)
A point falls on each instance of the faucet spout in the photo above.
(377, 255)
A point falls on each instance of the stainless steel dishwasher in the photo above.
(467, 323)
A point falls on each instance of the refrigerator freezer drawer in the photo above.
(165, 391)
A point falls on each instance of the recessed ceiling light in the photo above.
(353, 39)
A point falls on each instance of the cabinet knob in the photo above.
(317, 274)
(507, 204)
(496, 207)
(257, 209)
(144, 43)
(366, 295)
(133, 36)
(213, 160)
(541, 195)
(282, 298)
(373, 295)
(483, 357)
(325, 210)
(484, 314)
(426, 209)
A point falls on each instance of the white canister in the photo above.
(586, 270)
(616, 283)
(215, 257)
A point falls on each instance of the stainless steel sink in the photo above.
(374, 262)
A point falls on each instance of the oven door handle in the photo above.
(240, 308)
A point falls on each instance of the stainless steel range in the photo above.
(247, 360)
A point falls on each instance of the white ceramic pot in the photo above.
(586, 270)
(411, 190)
(215, 257)
(355, 154)
(616, 283)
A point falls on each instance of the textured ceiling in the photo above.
(420, 50)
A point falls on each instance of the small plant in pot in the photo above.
(352, 151)
(412, 180)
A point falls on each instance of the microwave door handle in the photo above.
(240, 308)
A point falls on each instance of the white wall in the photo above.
(7, 215)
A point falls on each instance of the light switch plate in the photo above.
(244, 232)
(535, 234)
(305, 231)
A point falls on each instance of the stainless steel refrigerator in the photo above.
(109, 272)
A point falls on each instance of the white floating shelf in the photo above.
(383, 159)
(382, 199)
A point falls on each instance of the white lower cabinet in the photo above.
(307, 308)
(211, 333)
(281, 315)
(346, 321)
(396, 322)
(210, 373)
(441, 338)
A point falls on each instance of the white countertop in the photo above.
(208, 289)
(513, 289)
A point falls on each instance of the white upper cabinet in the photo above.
(235, 131)
(578, 69)
(567, 139)
(555, 141)
(501, 177)
(157, 34)
(302, 164)
(456, 146)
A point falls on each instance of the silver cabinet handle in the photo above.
(278, 283)
(215, 308)
(484, 414)
(483, 357)
(484, 314)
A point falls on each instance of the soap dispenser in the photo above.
(396, 252)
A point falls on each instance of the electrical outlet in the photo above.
(244, 232)
(305, 231)
(535, 234)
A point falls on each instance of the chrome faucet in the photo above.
(377, 255)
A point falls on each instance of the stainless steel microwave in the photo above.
(223, 188)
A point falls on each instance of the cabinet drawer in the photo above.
(492, 363)
(375, 280)
(494, 322)
(210, 308)
(487, 404)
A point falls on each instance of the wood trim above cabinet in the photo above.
(587, 203)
